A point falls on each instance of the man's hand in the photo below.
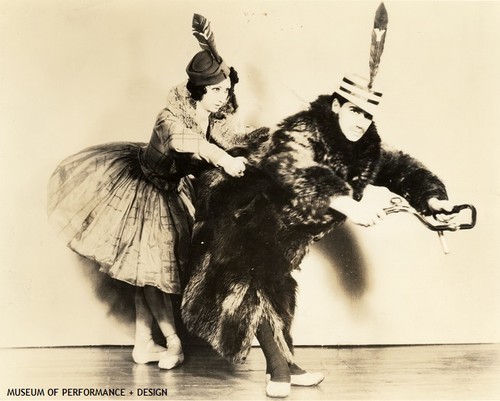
(437, 205)
(363, 214)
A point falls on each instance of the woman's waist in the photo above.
(156, 161)
(160, 168)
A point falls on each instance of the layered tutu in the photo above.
(105, 206)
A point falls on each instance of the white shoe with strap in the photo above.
(174, 355)
(307, 379)
(148, 352)
(277, 389)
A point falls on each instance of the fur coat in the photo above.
(252, 232)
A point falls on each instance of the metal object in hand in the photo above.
(400, 205)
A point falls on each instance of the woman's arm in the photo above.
(177, 137)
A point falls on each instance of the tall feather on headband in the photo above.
(378, 39)
(205, 36)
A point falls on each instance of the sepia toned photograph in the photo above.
(249, 200)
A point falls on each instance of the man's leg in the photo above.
(277, 369)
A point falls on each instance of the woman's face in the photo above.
(216, 96)
(353, 120)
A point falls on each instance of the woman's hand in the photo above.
(234, 166)
(363, 214)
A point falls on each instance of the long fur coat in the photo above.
(252, 232)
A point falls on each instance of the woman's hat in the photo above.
(207, 66)
(204, 69)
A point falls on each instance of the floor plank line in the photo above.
(437, 372)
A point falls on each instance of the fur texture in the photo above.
(252, 232)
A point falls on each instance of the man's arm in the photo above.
(308, 185)
(409, 178)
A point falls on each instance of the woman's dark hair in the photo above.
(198, 91)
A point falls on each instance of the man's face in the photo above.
(353, 120)
(216, 96)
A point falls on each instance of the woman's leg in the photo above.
(161, 308)
(277, 370)
(145, 350)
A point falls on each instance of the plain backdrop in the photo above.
(75, 73)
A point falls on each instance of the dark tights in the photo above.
(276, 363)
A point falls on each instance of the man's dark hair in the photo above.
(339, 97)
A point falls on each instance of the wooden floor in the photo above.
(441, 372)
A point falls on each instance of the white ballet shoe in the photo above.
(307, 379)
(277, 389)
(149, 352)
(174, 355)
(170, 361)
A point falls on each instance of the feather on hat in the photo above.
(207, 66)
(359, 90)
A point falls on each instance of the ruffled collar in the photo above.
(179, 101)
(226, 128)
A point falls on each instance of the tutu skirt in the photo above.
(107, 209)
